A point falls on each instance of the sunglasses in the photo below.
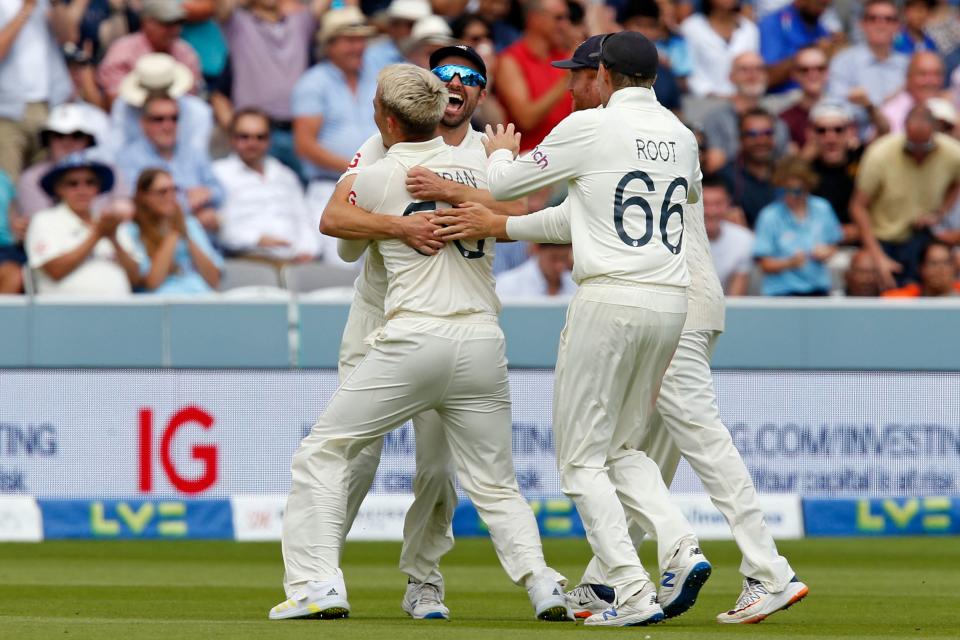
(758, 133)
(76, 182)
(887, 19)
(820, 68)
(169, 118)
(468, 76)
(260, 137)
(163, 191)
(823, 130)
(796, 192)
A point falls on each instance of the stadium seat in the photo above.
(248, 273)
(29, 287)
(311, 276)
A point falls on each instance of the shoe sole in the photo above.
(312, 612)
(695, 580)
(654, 619)
(581, 615)
(760, 617)
(558, 613)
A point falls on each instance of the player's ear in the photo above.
(483, 96)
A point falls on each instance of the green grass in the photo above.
(878, 588)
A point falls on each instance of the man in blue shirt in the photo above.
(785, 32)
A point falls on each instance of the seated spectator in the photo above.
(159, 73)
(428, 35)
(810, 74)
(496, 14)
(834, 149)
(399, 17)
(332, 105)
(912, 37)
(749, 174)
(533, 92)
(200, 193)
(730, 244)
(69, 129)
(265, 213)
(33, 78)
(722, 124)
(68, 250)
(868, 74)
(861, 279)
(12, 229)
(178, 257)
(784, 32)
(546, 273)
(161, 23)
(796, 235)
(925, 77)
(644, 16)
(906, 184)
(715, 38)
(938, 275)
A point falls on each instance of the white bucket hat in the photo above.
(411, 10)
(69, 118)
(155, 72)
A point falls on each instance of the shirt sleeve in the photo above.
(764, 243)
(351, 250)
(547, 225)
(307, 96)
(869, 176)
(555, 159)
(772, 42)
(369, 152)
(209, 180)
(46, 241)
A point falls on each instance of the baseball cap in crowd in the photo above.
(630, 53)
(163, 10)
(461, 51)
(79, 160)
(411, 10)
(347, 21)
(830, 109)
(69, 118)
(943, 110)
(155, 72)
(586, 56)
(429, 30)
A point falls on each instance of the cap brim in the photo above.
(103, 172)
(570, 64)
(134, 94)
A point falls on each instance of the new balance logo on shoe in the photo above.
(668, 579)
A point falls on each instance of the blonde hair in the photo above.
(414, 96)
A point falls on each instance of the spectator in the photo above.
(70, 128)
(473, 31)
(400, 17)
(643, 16)
(750, 173)
(938, 275)
(784, 32)
(810, 74)
(428, 35)
(796, 235)
(546, 273)
(496, 12)
(68, 250)
(178, 257)
(203, 34)
(834, 149)
(332, 105)
(269, 50)
(200, 193)
(12, 229)
(162, 21)
(33, 78)
(868, 74)
(715, 38)
(533, 92)
(265, 213)
(912, 37)
(730, 244)
(159, 73)
(907, 182)
(925, 77)
(722, 124)
(860, 279)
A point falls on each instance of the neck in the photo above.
(723, 17)
(83, 214)
(742, 103)
(454, 137)
(266, 14)
(807, 100)
(257, 164)
(164, 152)
(880, 51)
(553, 287)
(759, 168)
(537, 44)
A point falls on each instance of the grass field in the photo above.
(878, 588)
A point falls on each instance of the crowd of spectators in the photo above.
(144, 141)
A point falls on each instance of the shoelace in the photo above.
(429, 594)
(582, 593)
(752, 591)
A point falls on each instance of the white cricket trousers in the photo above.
(427, 532)
(687, 422)
(612, 357)
(455, 366)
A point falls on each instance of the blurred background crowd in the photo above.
(190, 146)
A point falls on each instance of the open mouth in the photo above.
(455, 104)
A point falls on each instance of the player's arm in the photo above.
(472, 221)
(345, 220)
(424, 184)
(555, 159)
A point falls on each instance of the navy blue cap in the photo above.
(461, 51)
(587, 55)
(78, 160)
(630, 53)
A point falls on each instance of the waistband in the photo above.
(656, 297)
(460, 318)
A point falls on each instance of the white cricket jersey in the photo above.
(630, 168)
(371, 284)
(459, 279)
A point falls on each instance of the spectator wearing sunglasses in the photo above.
(199, 190)
(749, 175)
(810, 74)
(264, 214)
(834, 151)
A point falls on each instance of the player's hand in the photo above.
(502, 138)
(424, 184)
(469, 221)
(417, 232)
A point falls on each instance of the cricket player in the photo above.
(686, 422)
(427, 533)
(442, 349)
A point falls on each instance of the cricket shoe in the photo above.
(324, 600)
(424, 601)
(639, 609)
(588, 599)
(756, 603)
(548, 600)
(681, 581)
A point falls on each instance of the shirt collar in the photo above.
(632, 95)
(405, 148)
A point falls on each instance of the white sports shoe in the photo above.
(588, 599)
(548, 600)
(755, 603)
(324, 600)
(424, 601)
(640, 609)
(683, 578)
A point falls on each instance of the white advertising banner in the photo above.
(20, 519)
